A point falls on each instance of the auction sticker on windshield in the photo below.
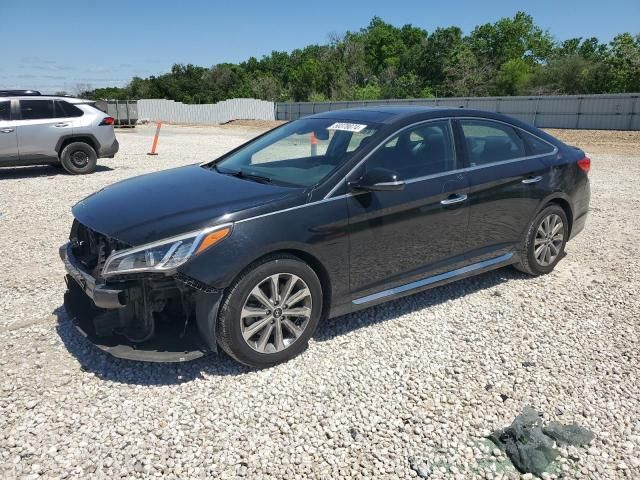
(347, 127)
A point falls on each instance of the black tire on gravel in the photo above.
(229, 329)
(528, 262)
(78, 158)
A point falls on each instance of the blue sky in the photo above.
(56, 45)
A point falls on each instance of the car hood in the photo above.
(158, 205)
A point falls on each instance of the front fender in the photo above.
(317, 230)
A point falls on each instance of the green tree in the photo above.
(511, 56)
(513, 77)
(624, 63)
(510, 38)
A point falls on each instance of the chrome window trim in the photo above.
(433, 279)
(329, 198)
(459, 170)
(517, 159)
(512, 160)
(386, 140)
(435, 175)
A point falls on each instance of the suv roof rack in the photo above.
(19, 93)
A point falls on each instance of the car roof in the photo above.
(381, 114)
(47, 97)
(399, 114)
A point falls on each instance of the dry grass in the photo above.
(600, 141)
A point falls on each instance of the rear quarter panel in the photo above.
(570, 183)
(88, 124)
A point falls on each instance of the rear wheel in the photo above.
(544, 242)
(78, 158)
(270, 312)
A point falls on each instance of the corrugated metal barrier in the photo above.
(215, 113)
(598, 112)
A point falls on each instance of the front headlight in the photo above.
(166, 254)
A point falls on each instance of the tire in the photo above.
(263, 348)
(537, 238)
(78, 158)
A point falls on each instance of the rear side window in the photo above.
(537, 145)
(36, 109)
(5, 110)
(66, 110)
(422, 150)
(489, 142)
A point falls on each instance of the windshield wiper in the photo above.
(242, 174)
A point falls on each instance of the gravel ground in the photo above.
(411, 386)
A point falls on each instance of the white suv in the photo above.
(37, 129)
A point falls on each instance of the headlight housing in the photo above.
(164, 255)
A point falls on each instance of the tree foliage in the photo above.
(512, 56)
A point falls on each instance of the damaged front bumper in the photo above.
(146, 318)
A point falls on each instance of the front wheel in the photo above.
(545, 240)
(270, 312)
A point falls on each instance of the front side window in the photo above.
(299, 154)
(489, 142)
(36, 109)
(425, 149)
(5, 110)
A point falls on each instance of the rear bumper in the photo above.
(581, 202)
(578, 225)
(110, 150)
(102, 312)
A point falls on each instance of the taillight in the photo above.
(585, 164)
(108, 121)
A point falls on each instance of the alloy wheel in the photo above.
(276, 313)
(549, 239)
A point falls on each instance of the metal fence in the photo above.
(598, 112)
(211, 113)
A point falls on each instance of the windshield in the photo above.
(299, 154)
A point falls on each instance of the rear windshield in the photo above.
(301, 153)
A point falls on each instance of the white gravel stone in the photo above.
(426, 377)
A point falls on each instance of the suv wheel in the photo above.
(78, 158)
(270, 312)
(545, 241)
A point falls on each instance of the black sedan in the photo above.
(317, 218)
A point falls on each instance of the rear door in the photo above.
(39, 130)
(397, 237)
(504, 186)
(8, 135)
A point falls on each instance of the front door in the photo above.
(8, 136)
(399, 236)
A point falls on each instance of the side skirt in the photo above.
(441, 278)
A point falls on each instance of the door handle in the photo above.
(532, 180)
(61, 125)
(455, 198)
(6, 130)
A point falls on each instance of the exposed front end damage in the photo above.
(161, 317)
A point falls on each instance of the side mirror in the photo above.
(377, 180)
